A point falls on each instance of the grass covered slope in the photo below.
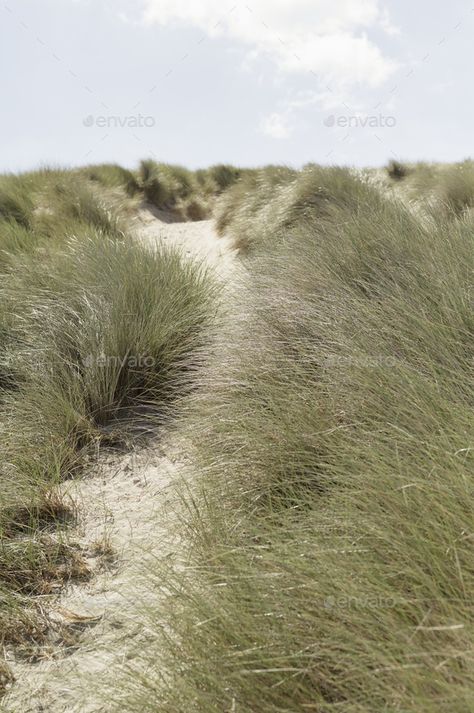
(442, 189)
(330, 521)
(267, 204)
(98, 337)
(182, 194)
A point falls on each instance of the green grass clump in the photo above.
(58, 202)
(245, 202)
(215, 180)
(109, 322)
(15, 201)
(15, 239)
(455, 188)
(330, 523)
(101, 341)
(224, 176)
(112, 175)
(72, 203)
(165, 185)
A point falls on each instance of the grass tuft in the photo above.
(15, 202)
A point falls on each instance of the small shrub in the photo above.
(397, 170)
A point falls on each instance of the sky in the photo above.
(199, 82)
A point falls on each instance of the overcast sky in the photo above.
(206, 81)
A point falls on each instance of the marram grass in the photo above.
(99, 336)
(328, 516)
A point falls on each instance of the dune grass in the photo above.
(171, 188)
(326, 560)
(15, 203)
(220, 177)
(265, 205)
(456, 188)
(253, 198)
(329, 514)
(98, 338)
(445, 190)
(111, 175)
(187, 195)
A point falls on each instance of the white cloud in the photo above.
(327, 37)
(276, 126)
(283, 123)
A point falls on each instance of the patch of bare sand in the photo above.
(195, 240)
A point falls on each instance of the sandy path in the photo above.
(197, 240)
(126, 501)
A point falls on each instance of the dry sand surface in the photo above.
(127, 502)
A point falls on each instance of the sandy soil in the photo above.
(125, 502)
(196, 240)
